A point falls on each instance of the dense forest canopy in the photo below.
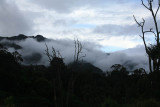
(77, 84)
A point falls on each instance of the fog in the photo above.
(33, 52)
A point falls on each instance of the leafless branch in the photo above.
(59, 55)
(156, 32)
(157, 10)
(136, 21)
(82, 56)
(47, 53)
(141, 36)
(141, 24)
(151, 32)
(145, 5)
(78, 50)
(54, 53)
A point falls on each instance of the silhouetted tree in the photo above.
(78, 51)
(62, 83)
(154, 62)
(17, 57)
(53, 54)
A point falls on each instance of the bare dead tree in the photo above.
(57, 81)
(60, 99)
(78, 51)
(53, 54)
(154, 64)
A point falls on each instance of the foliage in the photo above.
(60, 85)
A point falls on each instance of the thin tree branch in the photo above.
(139, 25)
(47, 53)
(145, 5)
(141, 36)
(157, 10)
(151, 32)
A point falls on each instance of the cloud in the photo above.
(117, 30)
(12, 20)
(67, 18)
(125, 30)
(64, 22)
(63, 6)
(136, 51)
(132, 58)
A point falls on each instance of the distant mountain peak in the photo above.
(39, 38)
(20, 37)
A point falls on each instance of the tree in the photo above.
(17, 57)
(154, 62)
(56, 64)
(54, 54)
(62, 83)
(78, 51)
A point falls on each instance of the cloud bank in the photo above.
(132, 58)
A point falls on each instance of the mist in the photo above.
(33, 52)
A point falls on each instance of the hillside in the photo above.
(74, 85)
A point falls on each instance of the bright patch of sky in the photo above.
(111, 49)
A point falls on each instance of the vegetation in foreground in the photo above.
(74, 85)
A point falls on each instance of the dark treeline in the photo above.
(74, 85)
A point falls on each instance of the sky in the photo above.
(108, 23)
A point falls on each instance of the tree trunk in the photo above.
(150, 64)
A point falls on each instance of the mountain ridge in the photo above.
(20, 37)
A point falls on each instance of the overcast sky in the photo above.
(108, 23)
